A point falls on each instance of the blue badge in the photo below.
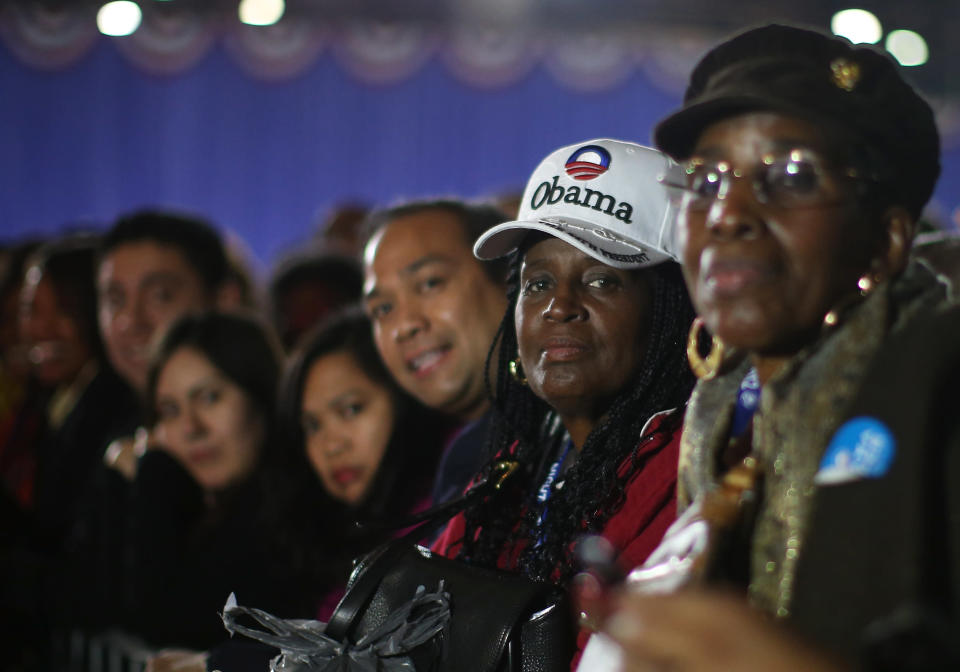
(748, 398)
(863, 447)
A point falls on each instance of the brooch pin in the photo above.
(846, 73)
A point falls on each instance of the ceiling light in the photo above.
(908, 47)
(857, 25)
(261, 12)
(119, 18)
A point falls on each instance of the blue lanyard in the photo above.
(748, 398)
(546, 489)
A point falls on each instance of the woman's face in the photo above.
(347, 421)
(206, 421)
(764, 274)
(581, 327)
(55, 347)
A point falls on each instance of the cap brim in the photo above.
(503, 239)
(678, 134)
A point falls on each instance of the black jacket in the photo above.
(879, 578)
(186, 558)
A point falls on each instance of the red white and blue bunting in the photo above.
(48, 39)
(171, 41)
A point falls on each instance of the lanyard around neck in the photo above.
(748, 399)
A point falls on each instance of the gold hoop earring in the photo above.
(516, 371)
(703, 368)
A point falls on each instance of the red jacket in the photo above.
(635, 529)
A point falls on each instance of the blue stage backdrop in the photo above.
(264, 159)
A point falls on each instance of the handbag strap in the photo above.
(368, 577)
(427, 522)
(371, 569)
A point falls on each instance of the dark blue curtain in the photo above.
(263, 159)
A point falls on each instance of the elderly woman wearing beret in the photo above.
(817, 479)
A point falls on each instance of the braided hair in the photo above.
(594, 487)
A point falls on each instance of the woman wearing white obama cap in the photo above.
(591, 371)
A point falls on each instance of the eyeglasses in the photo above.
(799, 178)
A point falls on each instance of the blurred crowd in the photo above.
(171, 432)
(673, 345)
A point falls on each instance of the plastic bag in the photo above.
(304, 647)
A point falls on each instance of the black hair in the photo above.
(69, 264)
(339, 273)
(475, 218)
(594, 487)
(241, 347)
(322, 533)
(194, 238)
(240, 277)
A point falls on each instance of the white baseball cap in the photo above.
(604, 197)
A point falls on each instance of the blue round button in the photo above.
(863, 447)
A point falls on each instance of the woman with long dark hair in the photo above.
(352, 455)
(197, 529)
(50, 448)
(359, 453)
(83, 396)
(590, 376)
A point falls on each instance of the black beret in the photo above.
(826, 80)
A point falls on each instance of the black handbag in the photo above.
(406, 608)
(499, 621)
